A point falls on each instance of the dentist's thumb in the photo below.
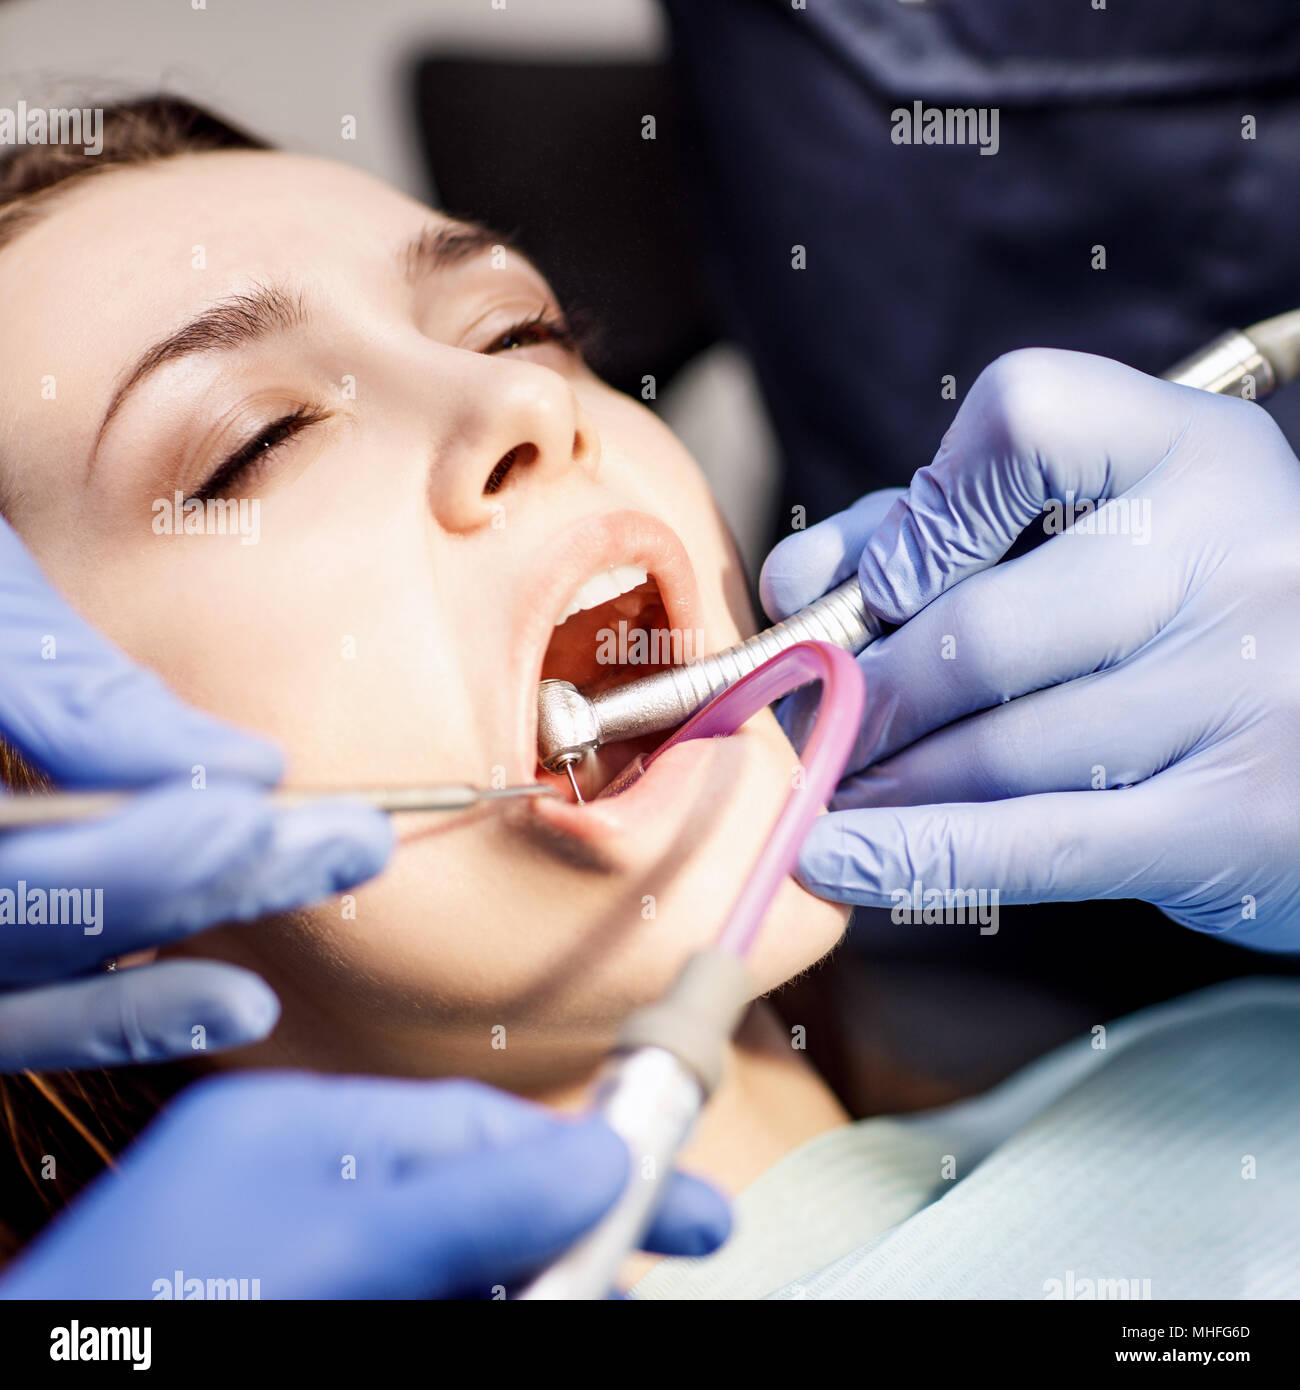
(805, 565)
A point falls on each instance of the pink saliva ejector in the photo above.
(668, 1057)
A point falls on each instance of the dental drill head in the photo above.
(567, 727)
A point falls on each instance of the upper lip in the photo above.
(588, 546)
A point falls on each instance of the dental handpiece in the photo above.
(1252, 362)
(570, 724)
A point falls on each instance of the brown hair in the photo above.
(61, 1129)
(135, 132)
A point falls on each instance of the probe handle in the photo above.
(57, 808)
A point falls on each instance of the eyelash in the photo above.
(543, 327)
(253, 455)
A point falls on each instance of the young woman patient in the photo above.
(438, 479)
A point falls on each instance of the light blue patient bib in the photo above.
(1165, 1164)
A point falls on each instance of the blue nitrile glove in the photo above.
(347, 1187)
(1115, 713)
(175, 860)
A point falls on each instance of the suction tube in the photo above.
(669, 1055)
(822, 762)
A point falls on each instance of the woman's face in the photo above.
(435, 475)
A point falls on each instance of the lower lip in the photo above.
(667, 785)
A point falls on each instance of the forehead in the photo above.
(233, 204)
(131, 252)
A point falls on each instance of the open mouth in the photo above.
(607, 641)
(621, 615)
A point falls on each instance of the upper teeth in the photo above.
(600, 588)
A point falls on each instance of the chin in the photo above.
(798, 931)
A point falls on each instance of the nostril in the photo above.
(521, 453)
(498, 475)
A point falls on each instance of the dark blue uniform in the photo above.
(1120, 128)
(1165, 132)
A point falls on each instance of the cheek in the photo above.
(647, 462)
(641, 455)
(315, 637)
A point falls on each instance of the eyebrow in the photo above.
(438, 246)
(264, 310)
(229, 324)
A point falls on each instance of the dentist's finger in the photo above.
(1075, 605)
(506, 1210)
(151, 1013)
(79, 709)
(803, 566)
(1059, 847)
(1112, 729)
(1036, 425)
(1055, 847)
(693, 1219)
(174, 861)
(507, 1213)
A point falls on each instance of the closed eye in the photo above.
(251, 457)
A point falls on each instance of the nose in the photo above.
(520, 425)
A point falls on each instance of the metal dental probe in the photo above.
(1250, 363)
(54, 808)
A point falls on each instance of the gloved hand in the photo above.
(1115, 713)
(176, 860)
(457, 1189)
